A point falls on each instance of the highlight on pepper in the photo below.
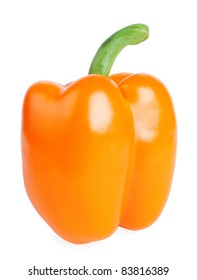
(100, 152)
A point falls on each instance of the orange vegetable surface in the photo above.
(100, 152)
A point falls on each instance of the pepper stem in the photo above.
(109, 50)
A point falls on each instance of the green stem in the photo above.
(109, 50)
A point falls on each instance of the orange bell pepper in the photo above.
(99, 152)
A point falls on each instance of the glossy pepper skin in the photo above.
(99, 152)
(155, 148)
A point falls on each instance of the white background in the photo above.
(56, 40)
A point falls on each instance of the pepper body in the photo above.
(99, 153)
